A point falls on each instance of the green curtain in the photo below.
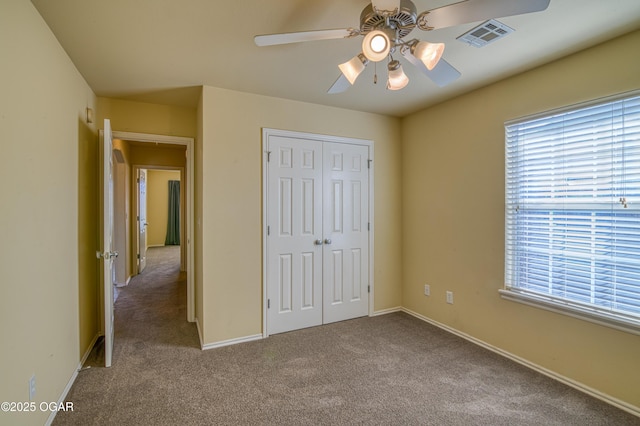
(173, 221)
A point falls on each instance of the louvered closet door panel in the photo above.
(345, 225)
(294, 261)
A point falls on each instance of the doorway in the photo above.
(155, 144)
(159, 223)
(318, 244)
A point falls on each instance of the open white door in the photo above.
(107, 253)
(142, 219)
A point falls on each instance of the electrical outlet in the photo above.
(32, 387)
(427, 290)
(450, 297)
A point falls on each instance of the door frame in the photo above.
(268, 132)
(136, 172)
(136, 194)
(189, 173)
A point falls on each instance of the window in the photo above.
(572, 229)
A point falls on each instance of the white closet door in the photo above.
(294, 253)
(345, 230)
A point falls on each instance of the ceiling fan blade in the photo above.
(341, 84)
(285, 38)
(478, 10)
(442, 74)
(385, 6)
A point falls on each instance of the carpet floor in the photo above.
(387, 370)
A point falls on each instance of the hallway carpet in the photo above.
(387, 370)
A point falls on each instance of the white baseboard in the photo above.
(72, 380)
(567, 381)
(232, 341)
(387, 311)
(126, 282)
(66, 390)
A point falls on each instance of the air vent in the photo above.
(486, 33)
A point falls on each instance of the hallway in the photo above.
(152, 309)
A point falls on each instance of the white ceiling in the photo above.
(162, 50)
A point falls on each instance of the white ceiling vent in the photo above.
(486, 33)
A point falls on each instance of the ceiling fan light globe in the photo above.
(397, 78)
(428, 53)
(353, 67)
(376, 45)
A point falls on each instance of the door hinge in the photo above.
(268, 230)
(268, 156)
(138, 218)
(268, 303)
(369, 164)
(368, 289)
(138, 255)
(368, 226)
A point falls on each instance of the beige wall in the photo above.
(140, 117)
(152, 155)
(229, 219)
(157, 204)
(453, 220)
(48, 226)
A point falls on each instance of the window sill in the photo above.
(618, 322)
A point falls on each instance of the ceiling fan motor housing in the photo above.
(403, 22)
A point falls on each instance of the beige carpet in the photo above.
(387, 370)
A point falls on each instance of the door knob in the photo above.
(106, 255)
(318, 242)
(327, 241)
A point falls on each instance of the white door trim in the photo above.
(190, 175)
(266, 133)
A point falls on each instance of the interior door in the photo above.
(107, 255)
(317, 218)
(294, 253)
(142, 219)
(346, 232)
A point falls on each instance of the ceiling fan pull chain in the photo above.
(375, 73)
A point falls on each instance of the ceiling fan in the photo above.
(384, 25)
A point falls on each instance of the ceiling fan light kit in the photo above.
(385, 23)
(428, 53)
(377, 45)
(354, 67)
(397, 78)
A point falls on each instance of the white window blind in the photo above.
(572, 229)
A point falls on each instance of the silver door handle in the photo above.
(106, 255)
(327, 241)
(318, 242)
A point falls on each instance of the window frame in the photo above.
(585, 311)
